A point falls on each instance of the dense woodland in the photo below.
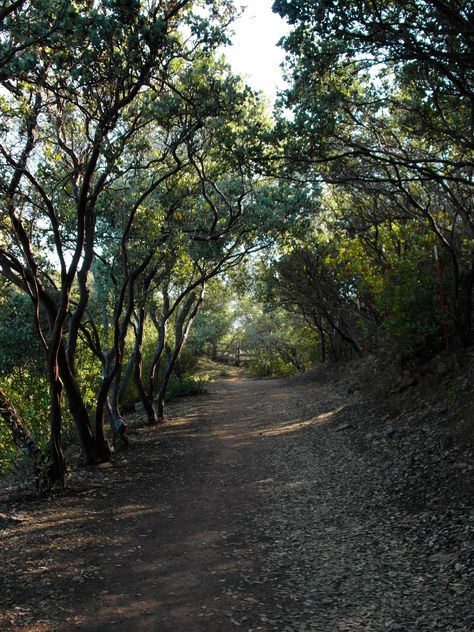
(154, 210)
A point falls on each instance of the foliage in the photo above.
(214, 322)
(19, 346)
(381, 110)
(379, 291)
(29, 390)
(280, 343)
(412, 319)
(10, 455)
(187, 386)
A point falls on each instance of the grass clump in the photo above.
(187, 386)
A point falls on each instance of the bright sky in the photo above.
(254, 52)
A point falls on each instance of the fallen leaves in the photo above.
(325, 534)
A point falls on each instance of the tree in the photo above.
(214, 322)
(90, 83)
(382, 101)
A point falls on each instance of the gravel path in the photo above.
(261, 510)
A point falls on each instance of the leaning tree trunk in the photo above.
(57, 468)
(108, 373)
(24, 441)
(333, 344)
(114, 398)
(322, 338)
(91, 449)
(77, 408)
(343, 338)
(57, 465)
(322, 345)
(184, 330)
(157, 358)
(126, 377)
(146, 399)
(110, 408)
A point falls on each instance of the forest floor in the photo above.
(314, 503)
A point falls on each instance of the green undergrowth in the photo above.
(188, 385)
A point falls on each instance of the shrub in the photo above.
(29, 393)
(186, 386)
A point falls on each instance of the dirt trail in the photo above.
(255, 510)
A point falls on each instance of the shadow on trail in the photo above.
(183, 540)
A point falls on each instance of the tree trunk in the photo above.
(57, 467)
(184, 329)
(127, 376)
(108, 372)
(343, 336)
(150, 395)
(333, 344)
(138, 372)
(322, 345)
(114, 395)
(90, 447)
